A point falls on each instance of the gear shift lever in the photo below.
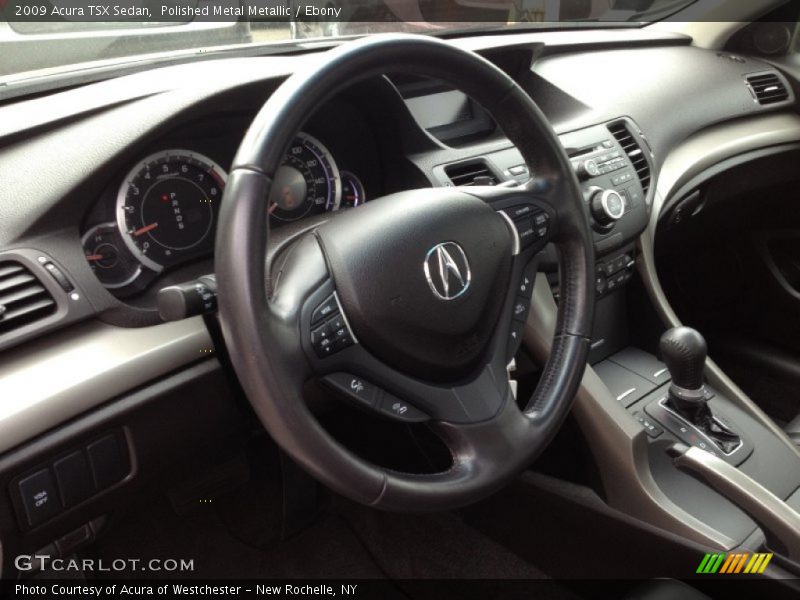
(684, 352)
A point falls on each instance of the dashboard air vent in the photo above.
(469, 174)
(634, 151)
(767, 88)
(23, 298)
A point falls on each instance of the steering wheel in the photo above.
(412, 304)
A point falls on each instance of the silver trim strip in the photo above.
(770, 512)
(344, 316)
(516, 246)
(57, 378)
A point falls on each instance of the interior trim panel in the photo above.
(52, 380)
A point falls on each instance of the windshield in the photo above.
(68, 34)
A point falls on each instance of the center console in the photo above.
(671, 450)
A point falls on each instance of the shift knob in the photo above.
(684, 352)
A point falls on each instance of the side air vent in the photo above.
(634, 151)
(23, 298)
(472, 173)
(767, 88)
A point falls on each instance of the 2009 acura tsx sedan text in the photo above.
(410, 300)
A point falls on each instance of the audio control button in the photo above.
(588, 169)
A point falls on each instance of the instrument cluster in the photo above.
(166, 209)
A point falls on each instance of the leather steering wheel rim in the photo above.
(265, 330)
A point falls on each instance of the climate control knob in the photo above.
(607, 206)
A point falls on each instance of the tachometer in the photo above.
(306, 183)
(167, 206)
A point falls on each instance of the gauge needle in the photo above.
(272, 207)
(145, 229)
(94, 257)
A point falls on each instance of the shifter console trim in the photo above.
(691, 434)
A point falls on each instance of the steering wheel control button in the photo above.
(518, 212)
(354, 387)
(343, 340)
(324, 310)
(531, 223)
(526, 231)
(520, 310)
(39, 497)
(330, 332)
(525, 288)
(514, 338)
(401, 410)
(320, 334)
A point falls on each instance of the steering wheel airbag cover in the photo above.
(377, 257)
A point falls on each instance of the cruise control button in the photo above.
(324, 347)
(324, 310)
(401, 410)
(320, 333)
(336, 323)
(354, 387)
(541, 218)
(343, 341)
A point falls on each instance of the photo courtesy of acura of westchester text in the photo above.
(400, 299)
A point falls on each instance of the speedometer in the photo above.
(306, 183)
(167, 206)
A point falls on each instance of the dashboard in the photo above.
(159, 213)
(132, 169)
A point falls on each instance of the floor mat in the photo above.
(437, 546)
(327, 550)
(237, 536)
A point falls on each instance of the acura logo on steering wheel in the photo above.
(447, 270)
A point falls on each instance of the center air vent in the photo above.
(634, 151)
(23, 298)
(767, 88)
(472, 173)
